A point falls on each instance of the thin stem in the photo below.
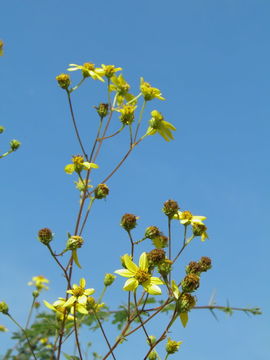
(96, 140)
(78, 85)
(25, 334)
(183, 246)
(104, 334)
(75, 124)
(114, 134)
(140, 120)
(76, 333)
(139, 316)
(102, 294)
(30, 312)
(170, 244)
(58, 262)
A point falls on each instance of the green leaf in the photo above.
(75, 258)
(184, 318)
(71, 357)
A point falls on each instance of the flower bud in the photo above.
(3, 308)
(198, 229)
(36, 304)
(109, 279)
(74, 242)
(151, 232)
(205, 263)
(101, 191)
(153, 355)
(2, 129)
(127, 114)
(186, 302)
(165, 267)
(153, 340)
(102, 110)
(129, 221)
(193, 268)
(170, 208)
(35, 293)
(14, 145)
(190, 283)
(63, 81)
(155, 257)
(160, 241)
(45, 236)
(172, 346)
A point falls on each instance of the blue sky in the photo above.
(211, 61)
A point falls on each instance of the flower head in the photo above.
(63, 81)
(199, 229)
(38, 282)
(172, 346)
(120, 85)
(58, 307)
(110, 70)
(150, 92)
(88, 70)
(139, 275)
(78, 164)
(127, 114)
(186, 218)
(79, 296)
(157, 124)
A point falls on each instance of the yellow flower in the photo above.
(186, 218)
(139, 275)
(127, 114)
(109, 70)
(88, 70)
(58, 307)
(79, 164)
(199, 229)
(150, 92)
(3, 328)
(38, 282)
(79, 296)
(158, 124)
(120, 85)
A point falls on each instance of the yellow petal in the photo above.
(152, 289)
(124, 272)
(69, 169)
(130, 264)
(143, 262)
(131, 284)
(82, 282)
(70, 301)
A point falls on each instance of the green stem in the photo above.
(30, 312)
(102, 294)
(25, 334)
(78, 85)
(140, 120)
(104, 334)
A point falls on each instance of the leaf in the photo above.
(71, 357)
(75, 258)
(184, 318)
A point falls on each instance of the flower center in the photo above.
(186, 215)
(142, 276)
(79, 291)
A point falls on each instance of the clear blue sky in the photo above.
(211, 60)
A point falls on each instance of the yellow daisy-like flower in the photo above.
(79, 296)
(127, 114)
(58, 307)
(150, 92)
(110, 70)
(157, 124)
(79, 164)
(38, 282)
(139, 275)
(120, 85)
(88, 70)
(186, 218)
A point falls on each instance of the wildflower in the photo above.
(45, 236)
(186, 303)
(102, 110)
(199, 229)
(155, 256)
(172, 346)
(157, 124)
(92, 305)
(150, 92)
(110, 70)
(170, 208)
(101, 191)
(190, 283)
(88, 70)
(73, 243)
(152, 232)
(63, 81)
(127, 114)
(38, 282)
(79, 295)
(139, 275)
(78, 165)
(82, 185)
(120, 85)
(205, 263)
(186, 218)
(3, 307)
(129, 221)
(3, 328)
(58, 307)
(160, 241)
(194, 268)
(153, 355)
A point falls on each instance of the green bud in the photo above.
(63, 81)
(3, 308)
(35, 294)
(165, 267)
(2, 129)
(172, 346)
(14, 145)
(152, 232)
(109, 279)
(74, 242)
(102, 110)
(153, 355)
(152, 339)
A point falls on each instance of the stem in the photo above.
(139, 316)
(30, 312)
(76, 333)
(140, 119)
(25, 334)
(75, 124)
(170, 244)
(110, 136)
(104, 334)
(183, 246)
(102, 294)
(58, 262)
